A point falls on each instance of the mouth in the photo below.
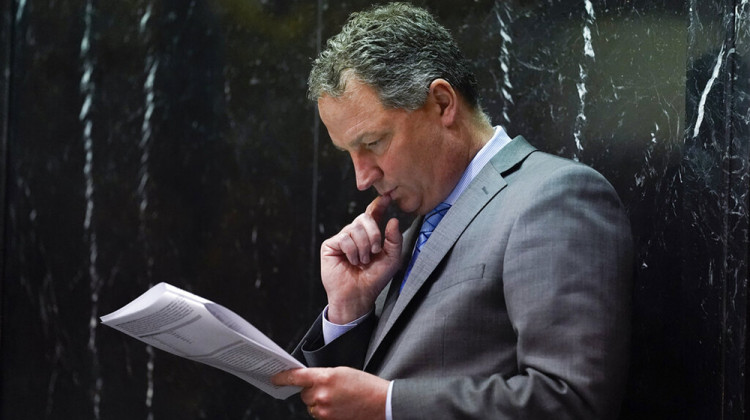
(389, 193)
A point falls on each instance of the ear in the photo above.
(446, 99)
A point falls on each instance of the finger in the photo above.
(362, 237)
(307, 395)
(376, 210)
(293, 377)
(393, 238)
(377, 207)
(362, 241)
(348, 247)
(366, 235)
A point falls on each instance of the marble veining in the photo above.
(144, 145)
(589, 56)
(706, 90)
(87, 88)
(20, 9)
(506, 41)
(588, 48)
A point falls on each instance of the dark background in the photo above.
(147, 141)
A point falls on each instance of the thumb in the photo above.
(393, 239)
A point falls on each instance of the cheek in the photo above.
(407, 164)
(400, 170)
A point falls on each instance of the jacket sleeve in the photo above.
(347, 350)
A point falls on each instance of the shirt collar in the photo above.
(499, 140)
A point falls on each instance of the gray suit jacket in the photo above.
(517, 308)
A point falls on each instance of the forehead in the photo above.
(355, 115)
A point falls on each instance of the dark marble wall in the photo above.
(145, 141)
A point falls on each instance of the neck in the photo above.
(461, 143)
(468, 136)
(478, 131)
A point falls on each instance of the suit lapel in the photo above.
(485, 185)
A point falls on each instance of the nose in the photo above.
(365, 170)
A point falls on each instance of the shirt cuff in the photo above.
(333, 331)
(388, 412)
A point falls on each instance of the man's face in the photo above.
(400, 153)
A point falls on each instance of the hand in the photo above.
(338, 393)
(356, 263)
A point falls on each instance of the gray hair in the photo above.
(397, 49)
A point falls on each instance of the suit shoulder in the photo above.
(540, 165)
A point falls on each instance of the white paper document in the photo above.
(190, 326)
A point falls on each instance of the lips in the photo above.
(389, 192)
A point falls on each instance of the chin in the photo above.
(403, 206)
(409, 208)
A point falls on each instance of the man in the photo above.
(516, 306)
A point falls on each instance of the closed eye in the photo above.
(373, 144)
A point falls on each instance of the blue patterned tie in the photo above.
(431, 221)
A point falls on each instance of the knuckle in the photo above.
(358, 229)
(363, 219)
(325, 376)
(324, 398)
(346, 243)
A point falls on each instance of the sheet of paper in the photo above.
(190, 326)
